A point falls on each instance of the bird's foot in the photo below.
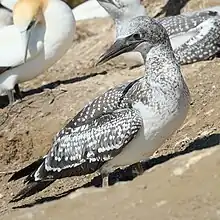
(18, 92)
(11, 97)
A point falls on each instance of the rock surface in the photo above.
(186, 187)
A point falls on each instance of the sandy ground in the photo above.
(52, 99)
(175, 190)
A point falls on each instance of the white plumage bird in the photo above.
(38, 38)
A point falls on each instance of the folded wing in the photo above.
(81, 150)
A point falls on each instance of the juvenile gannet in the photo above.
(194, 37)
(124, 125)
(43, 31)
(88, 10)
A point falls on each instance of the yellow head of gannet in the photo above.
(26, 14)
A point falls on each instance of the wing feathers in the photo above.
(99, 140)
(183, 23)
(201, 46)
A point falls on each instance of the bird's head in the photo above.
(140, 35)
(26, 15)
(122, 9)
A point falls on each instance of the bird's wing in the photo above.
(214, 8)
(203, 45)
(107, 105)
(85, 148)
(179, 39)
(183, 23)
(111, 100)
(106, 123)
(81, 150)
(11, 52)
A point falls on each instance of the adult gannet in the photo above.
(43, 31)
(124, 125)
(194, 36)
(81, 12)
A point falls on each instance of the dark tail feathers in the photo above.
(30, 189)
(27, 170)
(32, 186)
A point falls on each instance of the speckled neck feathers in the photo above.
(160, 60)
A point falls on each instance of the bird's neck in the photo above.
(60, 26)
(160, 63)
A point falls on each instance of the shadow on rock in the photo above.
(198, 144)
(172, 7)
(127, 174)
(52, 85)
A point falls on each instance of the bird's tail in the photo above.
(32, 186)
(27, 170)
(30, 189)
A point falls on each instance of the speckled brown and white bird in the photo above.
(194, 36)
(124, 125)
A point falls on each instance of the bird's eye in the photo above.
(137, 36)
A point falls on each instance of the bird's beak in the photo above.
(25, 36)
(107, 1)
(120, 46)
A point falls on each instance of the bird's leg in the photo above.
(10, 96)
(138, 169)
(105, 180)
(18, 91)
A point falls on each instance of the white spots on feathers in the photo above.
(194, 38)
(94, 141)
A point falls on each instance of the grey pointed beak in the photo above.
(25, 38)
(119, 47)
(26, 35)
